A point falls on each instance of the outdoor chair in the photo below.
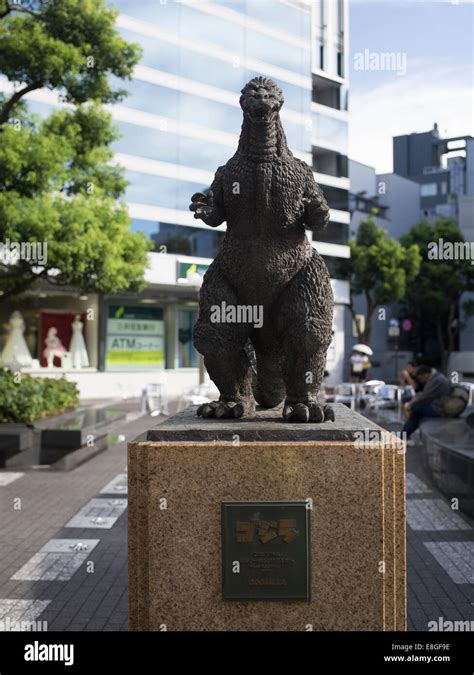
(386, 397)
(346, 393)
(154, 399)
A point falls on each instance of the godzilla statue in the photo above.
(265, 265)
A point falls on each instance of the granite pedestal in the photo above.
(351, 472)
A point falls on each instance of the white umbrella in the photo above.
(363, 349)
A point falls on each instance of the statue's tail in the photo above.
(267, 381)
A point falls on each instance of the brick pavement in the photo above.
(432, 593)
(90, 600)
(439, 551)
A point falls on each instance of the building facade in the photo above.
(443, 167)
(394, 202)
(180, 121)
(433, 178)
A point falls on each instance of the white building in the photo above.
(180, 122)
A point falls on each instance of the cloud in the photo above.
(407, 104)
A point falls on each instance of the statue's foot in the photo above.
(307, 412)
(224, 409)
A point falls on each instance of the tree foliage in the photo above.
(57, 184)
(70, 46)
(436, 296)
(380, 269)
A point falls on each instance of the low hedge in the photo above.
(32, 398)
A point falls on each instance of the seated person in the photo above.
(408, 381)
(426, 403)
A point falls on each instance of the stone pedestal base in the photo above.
(352, 471)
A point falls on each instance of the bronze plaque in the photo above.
(266, 551)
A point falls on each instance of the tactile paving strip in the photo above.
(57, 560)
(433, 514)
(7, 477)
(456, 558)
(99, 513)
(13, 612)
(415, 485)
(119, 485)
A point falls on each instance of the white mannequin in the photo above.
(54, 346)
(16, 350)
(77, 348)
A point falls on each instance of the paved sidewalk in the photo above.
(440, 553)
(81, 583)
(95, 596)
(440, 549)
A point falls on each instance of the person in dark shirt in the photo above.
(407, 377)
(426, 403)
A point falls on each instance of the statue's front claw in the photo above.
(316, 213)
(202, 204)
(307, 412)
(221, 409)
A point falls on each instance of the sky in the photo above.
(432, 42)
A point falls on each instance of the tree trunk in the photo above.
(356, 323)
(19, 280)
(452, 331)
(365, 337)
(442, 345)
(354, 317)
(13, 100)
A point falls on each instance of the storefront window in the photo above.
(135, 338)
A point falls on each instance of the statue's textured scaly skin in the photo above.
(267, 197)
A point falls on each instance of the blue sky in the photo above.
(436, 38)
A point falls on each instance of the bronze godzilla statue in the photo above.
(267, 267)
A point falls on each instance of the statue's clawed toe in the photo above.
(221, 409)
(307, 412)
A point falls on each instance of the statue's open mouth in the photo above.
(260, 115)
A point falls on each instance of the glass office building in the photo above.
(182, 119)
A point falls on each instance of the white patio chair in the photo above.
(154, 399)
(346, 393)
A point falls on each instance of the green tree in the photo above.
(436, 296)
(379, 269)
(56, 184)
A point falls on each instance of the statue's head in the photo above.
(261, 100)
